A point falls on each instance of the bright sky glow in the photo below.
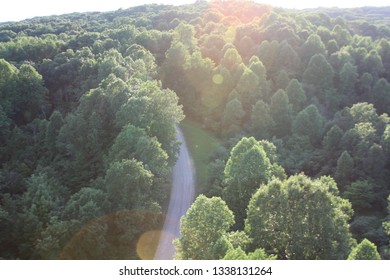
(15, 10)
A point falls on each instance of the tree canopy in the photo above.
(90, 104)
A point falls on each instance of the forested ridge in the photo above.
(299, 100)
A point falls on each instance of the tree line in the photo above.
(299, 99)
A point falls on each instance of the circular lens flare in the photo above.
(147, 244)
(217, 79)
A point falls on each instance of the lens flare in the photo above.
(218, 79)
(147, 244)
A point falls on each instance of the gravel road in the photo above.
(182, 196)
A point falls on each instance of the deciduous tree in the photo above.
(204, 224)
(300, 218)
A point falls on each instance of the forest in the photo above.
(297, 103)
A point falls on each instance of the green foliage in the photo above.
(331, 141)
(314, 223)
(296, 151)
(22, 92)
(128, 185)
(365, 250)
(86, 127)
(281, 113)
(386, 224)
(83, 138)
(246, 169)
(85, 205)
(133, 142)
(262, 121)
(115, 236)
(318, 77)
(232, 117)
(231, 59)
(154, 110)
(348, 79)
(309, 122)
(361, 194)
(344, 169)
(381, 96)
(239, 254)
(44, 198)
(52, 130)
(313, 46)
(239, 239)
(31, 48)
(201, 228)
(296, 95)
(201, 144)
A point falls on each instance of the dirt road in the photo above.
(182, 195)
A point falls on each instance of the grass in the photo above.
(201, 145)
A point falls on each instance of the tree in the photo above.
(231, 59)
(267, 53)
(309, 122)
(262, 90)
(386, 224)
(282, 80)
(281, 113)
(365, 250)
(86, 204)
(184, 33)
(156, 110)
(128, 185)
(52, 131)
(312, 46)
(44, 198)
(82, 138)
(122, 235)
(232, 117)
(42, 203)
(342, 36)
(296, 95)
(247, 85)
(27, 95)
(385, 141)
(8, 76)
(204, 224)
(239, 254)
(360, 194)
(364, 112)
(381, 96)
(296, 152)
(171, 71)
(332, 47)
(344, 169)
(198, 72)
(372, 63)
(246, 169)
(5, 131)
(300, 218)
(332, 139)
(318, 77)
(133, 142)
(348, 79)
(288, 58)
(365, 85)
(375, 162)
(261, 120)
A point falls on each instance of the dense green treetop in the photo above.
(312, 220)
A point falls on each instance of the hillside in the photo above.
(287, 108)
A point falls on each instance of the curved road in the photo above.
(182, 195)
